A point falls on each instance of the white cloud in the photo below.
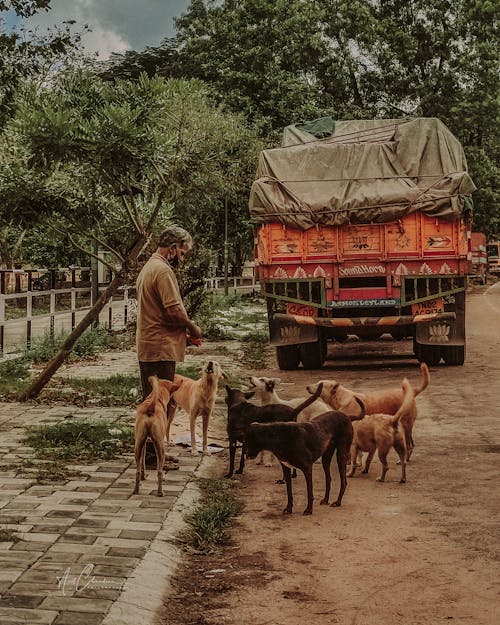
(117, 25)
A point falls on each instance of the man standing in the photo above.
(163, 327)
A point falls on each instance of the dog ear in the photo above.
(249, 394)
(334, 389)
(174, 387)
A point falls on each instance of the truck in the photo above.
(493, 253)
(479, 257)
(363, 227)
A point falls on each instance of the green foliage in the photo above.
(80, 440)
(93, 340)
(211, 519)
(14, 375)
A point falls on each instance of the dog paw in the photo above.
(323, 502)
(380, 479)
(401, 481)
(280, 481)
(307, 511)
(160, 494)
(336, 504)
(228, 476)
(287, 510)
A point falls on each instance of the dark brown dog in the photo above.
(301, 444)
(241, 413)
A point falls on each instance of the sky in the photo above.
(117, 25)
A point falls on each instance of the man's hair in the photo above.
(175, 234)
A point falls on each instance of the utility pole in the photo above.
(226, 250)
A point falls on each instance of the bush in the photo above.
(44, 348)
(14, 375)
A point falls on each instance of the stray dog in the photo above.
(241, 413)
(386, 401)
(265, 388)
(197, 397)
(150, 423)
(381, 432)
(301, 444)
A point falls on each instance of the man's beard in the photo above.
(174, 262)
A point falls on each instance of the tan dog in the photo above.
(380, 432)
(197, 397)
(150, 423)
(387, 401)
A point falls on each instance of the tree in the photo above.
(110, 163)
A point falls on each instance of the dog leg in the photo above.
(326, 460)
(160, 461)
(383, 459)
(140, 447)
(309, 484)
(342, 455)
(400, 448)
(232, 454)
(171, 408)
(192, 423)
(354, 454)
(368, 460)
(205, 417)
(287, 474)
(242, 459)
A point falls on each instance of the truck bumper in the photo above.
(296, 329)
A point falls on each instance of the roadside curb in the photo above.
(143, 598)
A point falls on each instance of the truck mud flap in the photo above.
(440, 332)
(295, 329)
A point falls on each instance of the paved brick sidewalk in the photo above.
(79, 542)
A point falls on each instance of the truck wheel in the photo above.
(288, 357)
(429, 354)
(313, 354)
(454, 355)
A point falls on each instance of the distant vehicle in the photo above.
(479, 260)
(493, 251)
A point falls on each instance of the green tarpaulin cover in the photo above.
(364, 171)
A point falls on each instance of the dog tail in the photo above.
(425, 379)
(362, 413)
(309, 400)
(153, 396)
(407, 404)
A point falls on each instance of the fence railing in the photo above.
(34, 301)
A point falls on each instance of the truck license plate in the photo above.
(428, 308)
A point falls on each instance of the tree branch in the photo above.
(65, 233)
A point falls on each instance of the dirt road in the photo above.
(421, 553)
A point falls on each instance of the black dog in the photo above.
(301, 444)
(241, 414)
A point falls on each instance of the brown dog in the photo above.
(150, 423)
(301, 444)
(386, 401)
(380, 432)
(197, 397)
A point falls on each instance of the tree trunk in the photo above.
(93, 315)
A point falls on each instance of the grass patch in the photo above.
(255, 350)
(210, 522)
(81, 440)
(116, 389)
(87, 347)
(14, 377)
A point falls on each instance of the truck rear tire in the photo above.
(313, 354)
(288, 357)
(454, 355)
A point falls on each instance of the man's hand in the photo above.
(191, 340)
(194, 331)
